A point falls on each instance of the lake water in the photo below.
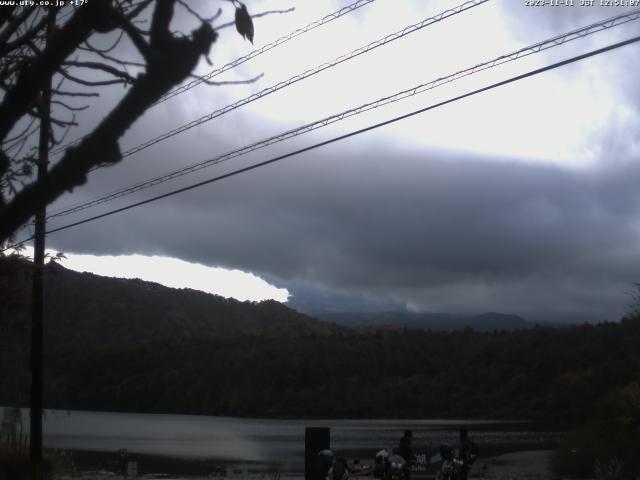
(274, 442)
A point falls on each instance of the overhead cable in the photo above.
(401, 95)
(255, 53)
(308, 73)
(239, 61)
(349, 135)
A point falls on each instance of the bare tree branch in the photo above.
(63, 42)
(91, 83)
(136, 37)
(13, 25)
(197, 15)
(138, 8)
(75, 94)
(23, 132)
(30, 61)
(101, 146)
(103, 67)
(92, 48)
(29, 35)
(69, 107)
(119, 61)
(228, 82)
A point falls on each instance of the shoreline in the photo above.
(522, 465)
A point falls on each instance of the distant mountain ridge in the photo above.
(84, 310)
(88, 311)
(358, 310)
(127, 345)
(486, 322)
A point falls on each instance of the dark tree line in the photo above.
(136, 346)
(120, 344)
(545, 373)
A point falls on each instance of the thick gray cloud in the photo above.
(433, 229)
(436, 230)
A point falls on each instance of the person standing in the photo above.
(405, 450)
(468, 453)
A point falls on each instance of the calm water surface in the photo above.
(266, 441)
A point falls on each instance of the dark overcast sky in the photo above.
(523, 201)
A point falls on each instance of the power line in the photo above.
(39, 41)
(341, 137)
(309, 73)
(351, 134)
(279, 86)
(239, 61)
(523, 52)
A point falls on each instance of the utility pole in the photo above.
(37, 300)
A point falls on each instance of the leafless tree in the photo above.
(78, 50)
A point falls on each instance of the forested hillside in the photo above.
(539, 373)
(146, 348)
(87, 311)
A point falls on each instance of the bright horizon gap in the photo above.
(175, 273)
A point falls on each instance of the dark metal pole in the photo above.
(316, 439)
(37, 301)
